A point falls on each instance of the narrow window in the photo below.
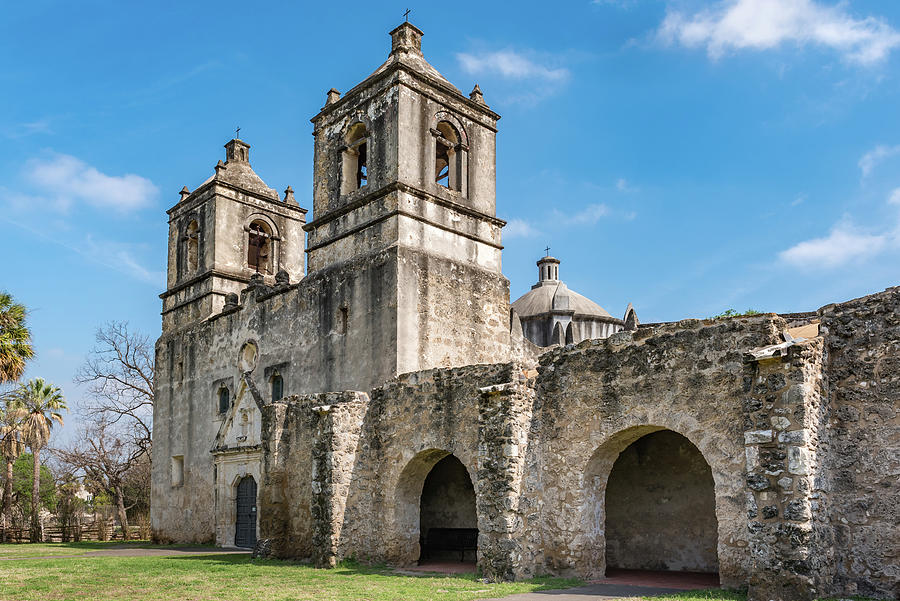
(259, 246)
(177, 470)
(277, 387)
(193, 239)
(224, 400)
(355, 174)
(447, 156)
(345, 318)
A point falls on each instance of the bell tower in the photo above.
(404, 198)
(230, 228)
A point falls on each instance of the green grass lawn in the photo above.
(45, 549)
(234, 578)
(237, 578)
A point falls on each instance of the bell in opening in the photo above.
(355, 159)
(446, 156)
(259, 247)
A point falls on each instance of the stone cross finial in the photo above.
(289, 195)
(185, 193)
(333, 96)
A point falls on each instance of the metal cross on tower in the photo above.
(406, 15)
(237, 133)
(547, 250)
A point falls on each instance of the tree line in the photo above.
(107, 461)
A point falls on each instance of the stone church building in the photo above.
(359, 384)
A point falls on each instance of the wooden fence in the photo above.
(101, 530)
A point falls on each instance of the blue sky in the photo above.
(684, 156)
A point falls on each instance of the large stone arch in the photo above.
(401, 534)
(730, 507)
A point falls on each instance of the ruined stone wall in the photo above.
(660, 507)
(602, 395)
(862, 346)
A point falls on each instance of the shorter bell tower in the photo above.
(230, 228)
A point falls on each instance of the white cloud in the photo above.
(767, 24)
(23, 130)
(69, 180)
(519, 228)
(509, 64)
(894, 198)
(622, 184)
(869, 161)
(844, 244)
(590, 215)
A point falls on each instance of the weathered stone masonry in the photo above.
(338, 388)
(541, 443)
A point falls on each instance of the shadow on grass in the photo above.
(354, 568)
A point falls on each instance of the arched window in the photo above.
(224, 399)
(355, 172)
(192, 244)
(259, 247)
(449, 157)
(277, 386)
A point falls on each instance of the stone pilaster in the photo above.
(504, 417)
(338, 424)
(790, 536)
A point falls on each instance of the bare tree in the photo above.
(120, 372)
(110, 461)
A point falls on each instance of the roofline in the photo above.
(397, 66)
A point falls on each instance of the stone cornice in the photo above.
(370, 81)
(400, 187)
(194, 199)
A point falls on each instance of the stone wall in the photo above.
(862, 349)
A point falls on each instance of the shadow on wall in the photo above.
(660, 507)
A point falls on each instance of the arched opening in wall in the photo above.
(660, 511)
(355, 158)
(447, 156)
(259, 247)
(192, 237)
(448, 522)
(245, 518)
(434, 522)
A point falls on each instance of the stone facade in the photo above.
(395, 361)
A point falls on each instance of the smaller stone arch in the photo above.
(452, 120)
(403, 536)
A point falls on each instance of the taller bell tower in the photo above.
(404, 202)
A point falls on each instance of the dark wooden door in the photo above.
(245, 530)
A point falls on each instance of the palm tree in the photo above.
(15, 339)
(11, 446)
(40, 402)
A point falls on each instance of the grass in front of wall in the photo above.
(22, 550)
(701, 595)
(237, 578)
